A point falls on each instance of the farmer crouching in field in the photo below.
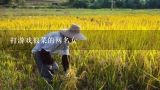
(55, 42)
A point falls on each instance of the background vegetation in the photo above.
(134, 4)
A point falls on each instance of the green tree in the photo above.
(120, 3)
(153, 3)
(6, 1)
(80, 3)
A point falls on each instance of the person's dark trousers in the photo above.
(44, 62)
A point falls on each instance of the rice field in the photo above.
(98, 22)
(121, 51)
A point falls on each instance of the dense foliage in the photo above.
(135, 4)
(118, 3)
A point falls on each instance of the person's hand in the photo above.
(53, 68)
(66, 73)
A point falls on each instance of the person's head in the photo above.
(73, 33)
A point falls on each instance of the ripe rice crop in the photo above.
(94, 68)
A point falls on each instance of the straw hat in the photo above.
(73, 32)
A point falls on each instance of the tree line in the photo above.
(139, 4)
(135, 4)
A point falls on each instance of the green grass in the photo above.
(29, 12)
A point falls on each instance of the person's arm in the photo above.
(65, 62)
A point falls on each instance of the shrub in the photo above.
(80, 4)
